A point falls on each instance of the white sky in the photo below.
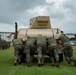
(62, 13)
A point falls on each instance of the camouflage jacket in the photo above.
(17, 42)
(41, 40)
(30, 41)
(52, 41)
(64, 39)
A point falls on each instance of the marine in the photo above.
(18, 50)
(67, 48)
(60, 50)
(53, 51)
(41, 49)
(29, 50)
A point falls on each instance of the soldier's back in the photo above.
(17, 41)
(64, 39)
(41, 39)
(30, 41)
(52, 41)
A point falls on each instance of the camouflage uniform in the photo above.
(60, 50)
(41, 48)
(18, 50)
(29, 50)
(67, 48)
(53, 51)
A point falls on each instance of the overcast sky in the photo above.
(62, 13)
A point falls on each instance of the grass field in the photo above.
(7, 67)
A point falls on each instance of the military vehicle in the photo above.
(40, 25)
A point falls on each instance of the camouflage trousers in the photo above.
(68, 52)
(60, 49)
(29, 51)
(41, 51)
(18, 50)
(53, 51)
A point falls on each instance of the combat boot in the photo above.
(39, 63)
(19, 63)
(15, 63)
(42, 63)
(57, 63)
(29, 64)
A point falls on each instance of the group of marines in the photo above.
(40, 45)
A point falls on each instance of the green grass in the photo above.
(7, 67)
